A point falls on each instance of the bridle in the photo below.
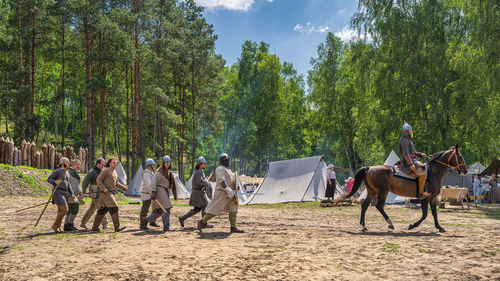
(458, 165)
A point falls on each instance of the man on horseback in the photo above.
(409, 163)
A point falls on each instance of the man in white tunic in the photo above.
(147, 176)
(225, 196)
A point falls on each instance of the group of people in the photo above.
(488, 187)
(102, 184)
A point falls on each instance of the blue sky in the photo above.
(293, 28)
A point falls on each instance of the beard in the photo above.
(225, 162)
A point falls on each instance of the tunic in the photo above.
(221, 202)
(63, 190)
(147, 176)
(108, 179)
(161, 184)
(198, 196)
(406, 146)
(75, 187)
(91, 179)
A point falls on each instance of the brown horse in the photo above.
(379, 180)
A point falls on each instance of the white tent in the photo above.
(134, 188)
(391, 197)
(182, 192)
(296, 180)
(122, 176)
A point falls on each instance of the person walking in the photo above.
(162, 183)
(73, 203)
(147, 176)
(224, 200)
(94, 193)
(107, 181)
(198, 199)
(60, 180)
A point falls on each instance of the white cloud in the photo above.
(342, 11)
(345, 34)
(235, 5)
(299, 28)
(310, 28)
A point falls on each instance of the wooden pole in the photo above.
(45, 153)
(33, 155)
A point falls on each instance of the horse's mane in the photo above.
(437, 155)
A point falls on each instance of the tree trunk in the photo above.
(19, 30)
(63, 85)
(137, 91)
(159, 123)
(194, 116)
(27, 84)
(33, 64)
(88, 94)
(117, 144)
(127, 122)
(102, 99)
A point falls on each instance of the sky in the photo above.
(293, 28)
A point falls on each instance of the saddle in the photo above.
(400, 174)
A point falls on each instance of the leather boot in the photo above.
(144, 223)
(236, 230)
(116, 222)
(97, 222)
(185, 217)
(153, 223)
(201, 225)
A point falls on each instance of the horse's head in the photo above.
(452, 158)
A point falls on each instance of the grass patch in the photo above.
(18, 248)
(391, 248)
(271, 252)
(68, 235)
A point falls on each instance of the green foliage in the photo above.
(158, 87)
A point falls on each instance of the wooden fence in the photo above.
(46, 158)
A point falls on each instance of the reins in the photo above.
(457, 167)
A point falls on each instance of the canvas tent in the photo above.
(134, 188)
(296, 180)
(452, 178)
(476, 168)
(493, 168)
(122, 176)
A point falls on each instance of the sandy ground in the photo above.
(290, 242)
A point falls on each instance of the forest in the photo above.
(135, 79)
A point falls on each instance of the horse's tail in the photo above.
(358, 180)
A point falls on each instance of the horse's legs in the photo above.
(435, 215)
(425, 205)
(380, 208)
(368, 200)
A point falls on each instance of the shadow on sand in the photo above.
(401, 234)
(213, 235)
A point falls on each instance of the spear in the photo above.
(47, 204)
(38, 205)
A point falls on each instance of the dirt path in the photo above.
(288, 243)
